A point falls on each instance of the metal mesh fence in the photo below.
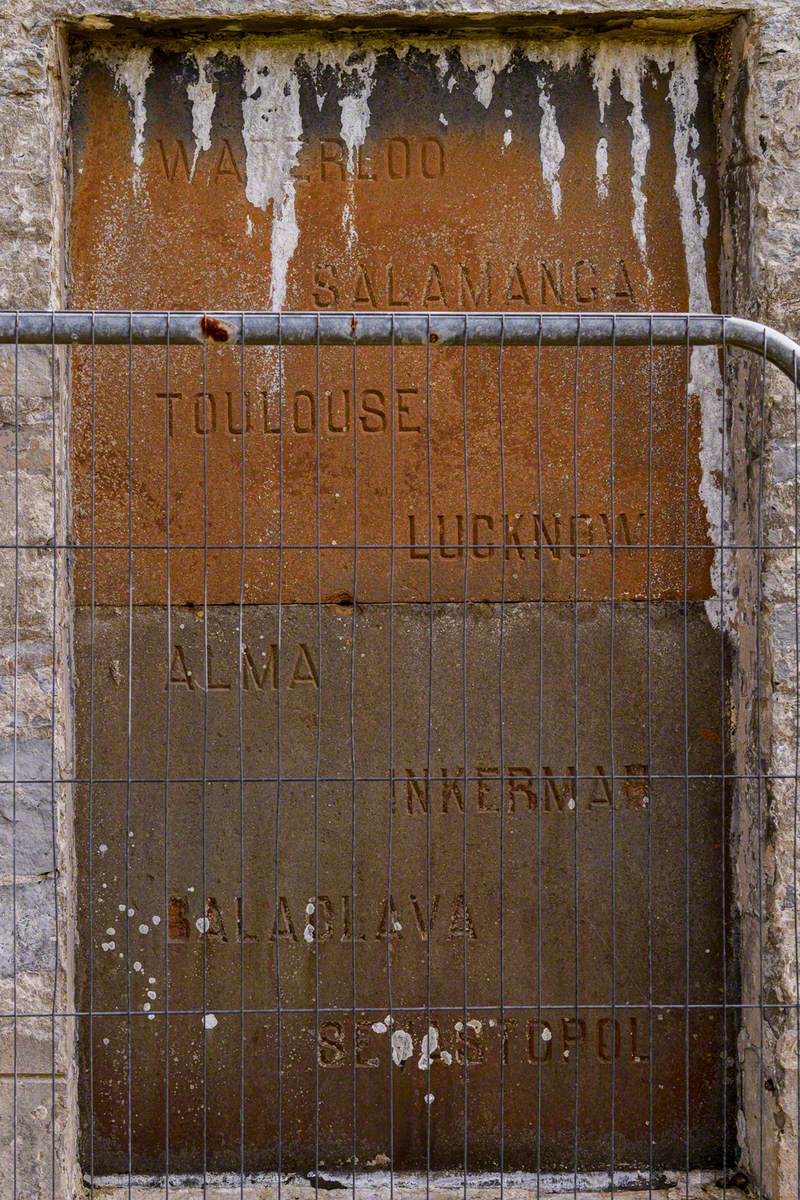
(406, 783)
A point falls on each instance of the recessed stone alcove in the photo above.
(748, 67)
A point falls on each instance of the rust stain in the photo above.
(178, 921)
(214, 329)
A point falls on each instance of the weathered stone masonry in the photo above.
(758, 106)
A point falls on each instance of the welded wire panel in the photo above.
(411, 737)
(404, 784)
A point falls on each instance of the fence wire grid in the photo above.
(373, 791)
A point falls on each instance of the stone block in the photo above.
(29, 912)
(31, 1141)
(44, 1043)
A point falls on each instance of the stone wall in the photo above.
(35, 632)
(761, 223)
(760, 170)
(760, 184)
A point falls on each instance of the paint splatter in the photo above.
(272, 131)
(132, 68)
(202, 99)
(551, 148)
(402, 1046)
(430, 1044)
(601, 168)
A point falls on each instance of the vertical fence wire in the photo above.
(649, 723)
(90, 788)
(279, 762)
(389, 1021)
(167, 747)
(244, 422)
(612, 750)
(427, 1043)
(687, 368)
(355, 908)
(206, 908)
(54, 658)
(129, 762)
(465, 709)
(723, 741)
(576, 786)
(759, 764)
(540, 1038)
(318, 737)
(14, 723)
(796, 781)
(502, 786)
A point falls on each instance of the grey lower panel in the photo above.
(480, 844)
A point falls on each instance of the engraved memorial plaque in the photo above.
(387, 747)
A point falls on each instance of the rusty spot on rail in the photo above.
(215, 330)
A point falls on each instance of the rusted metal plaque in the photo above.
(365, 177)
(314, 836)
(543, 852)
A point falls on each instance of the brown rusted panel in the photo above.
(447, 204)
(214, 861)
(437, 208)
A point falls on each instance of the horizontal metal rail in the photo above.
(400, 329)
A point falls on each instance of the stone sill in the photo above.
(672, 1185)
